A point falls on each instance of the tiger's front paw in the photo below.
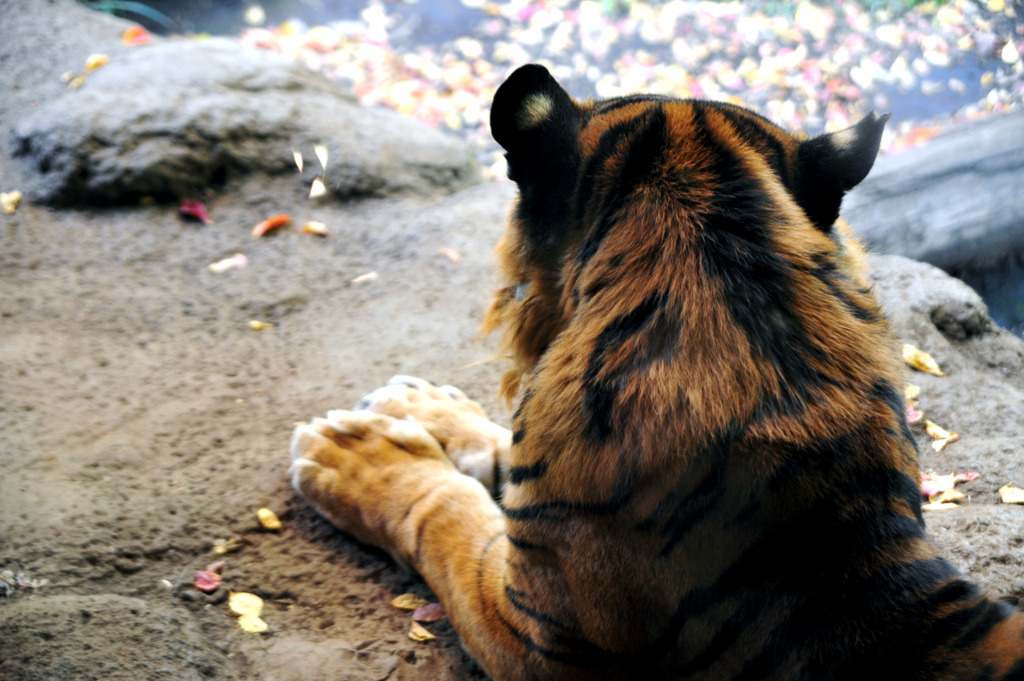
(362, 471)
(476, 445)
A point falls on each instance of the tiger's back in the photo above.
(710, 473)
(710, 397)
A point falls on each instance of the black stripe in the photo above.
(520, 474)
(525, 545)
(516, 598)
(751, 129)
(562, 510)
(885, 391)
(646, 149)
(655, 329)
(827, 272)
(609, 105)
(518, 435)
(756, 282)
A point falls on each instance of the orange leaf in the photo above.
(270, 224)
(136, 35)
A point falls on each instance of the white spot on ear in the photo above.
(845, 140)
(534, 110)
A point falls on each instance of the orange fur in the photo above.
(710, 475)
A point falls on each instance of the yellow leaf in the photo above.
(911, 392)
(257, 325)
(1011, 494)
(947, 496)
(417, 632)
(316, 228)
(920, 360)
(935, 431)
(409, 602)
(252, 624)
(268, 519)
(242, 603)
(95, 61)
(9, 201)
(939, 445)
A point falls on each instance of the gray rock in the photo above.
(981, 398)
(170, 119)
(955, 202)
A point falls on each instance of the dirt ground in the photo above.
(143, 422)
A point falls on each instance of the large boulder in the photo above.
(955, 202)
(170, 119)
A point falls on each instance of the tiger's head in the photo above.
(704, 206)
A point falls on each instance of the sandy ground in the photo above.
(143, 422)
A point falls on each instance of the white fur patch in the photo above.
(534, 110)
(845, 140)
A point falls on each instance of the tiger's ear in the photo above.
(830, 165)
(537, 123)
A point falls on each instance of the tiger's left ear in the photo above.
(830, 165)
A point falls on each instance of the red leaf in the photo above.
(207, 581)
(194, 210)
(431, 612)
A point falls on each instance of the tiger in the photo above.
(709, 472)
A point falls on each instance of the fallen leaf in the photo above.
(920, 360)
(911, 392)
(315, 228)
(431, 612)
(939, 507)
(451, 254)
(76, 81)
(967, 476)
(95, 61)
(230, 546)
(317, 189)
(409, 601)
(369, 276)
(271, 224)
(243, 603)
(207, 581)
(321, 154)
(268, 519)
(297, 155)
(252, 624)
(217, 567)
(235, 261)
(194, 210)
(418, 633)
(933, 484)
(136, 35)
(936, 432)
(257, 325)
(1011, 494)
(948, 496)
(9, 201)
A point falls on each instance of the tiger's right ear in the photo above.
(537, 123)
